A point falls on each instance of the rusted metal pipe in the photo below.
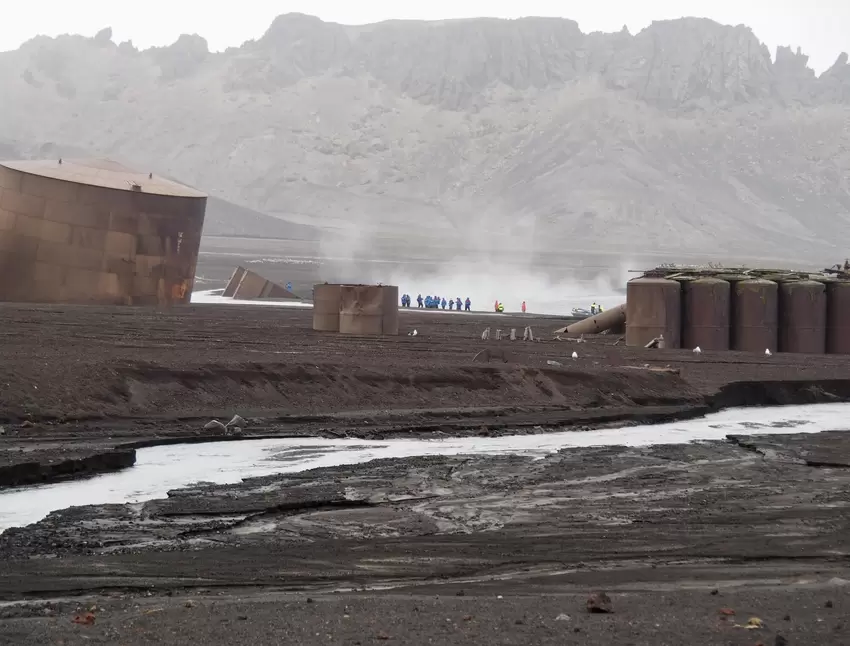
(598, 323)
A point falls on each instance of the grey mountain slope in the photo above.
(223, 218)
(685, 137)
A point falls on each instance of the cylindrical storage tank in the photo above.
(326, 304)
(802, 317)
(389, 320)
(366, 309)
(95, 232)
(706, 314)
(755, 315)
(653, 308)
(838, 318)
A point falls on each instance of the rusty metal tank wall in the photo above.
(370, 310)
(653, 308)
(802, 317)
(706, 314)
(326, 306)
(838, 318)
(67, 241)
(755, 315)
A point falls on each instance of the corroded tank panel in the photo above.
(706, 314)
(802, 317)
(94, 232)
(838, 318)
(653, 308)
(755, 315)
(370, 310)
(326, 306)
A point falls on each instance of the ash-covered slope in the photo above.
(685, 137)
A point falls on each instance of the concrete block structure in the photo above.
(96, 232)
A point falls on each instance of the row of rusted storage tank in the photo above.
(804, 316)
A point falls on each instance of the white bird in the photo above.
(575, 355)
(767, 352)
(414, 333)
(697, 350)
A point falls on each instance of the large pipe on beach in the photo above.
(598, 323)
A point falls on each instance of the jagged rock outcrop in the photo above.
(685, 136)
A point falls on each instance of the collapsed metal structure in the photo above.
(750, 310)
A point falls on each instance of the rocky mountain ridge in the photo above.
(686, 136)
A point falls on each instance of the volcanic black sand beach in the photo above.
(431, 550)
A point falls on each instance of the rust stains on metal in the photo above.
(68, 242)
(802, 317)
(104, 173)
(706, 314)
(326, 304)
(755, 315)
(370, 310)
(653, 309)
(838, 318)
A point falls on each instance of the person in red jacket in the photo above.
(523, 307)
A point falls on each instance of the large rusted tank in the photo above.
(802, 317)
(838, 318)
(370, 310)
(326, 303)
(93, 231)
(755, 315)
(653, 308)
(706, 314)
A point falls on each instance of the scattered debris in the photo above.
(563, 617)
(460, 593)
(658, 342)
(599, 602)
(215, 425)
(557, 364)
(27, 424)
(726, 612)
(715, 592)
(414, 333)
(86, 619)
(382, 636)
(767, 352)
(2, 430)
(620, 340)
(672, 371)
(189, 604)
(485, 335)
(828, 604)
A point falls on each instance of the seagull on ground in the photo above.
(575, 355)
(697, 350)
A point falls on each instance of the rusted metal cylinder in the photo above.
(96, 232)
(653, 308)
(598, 323)
(326, 304)
(838, 318)
(755, 315)
(802, 317)
(706, 314)
(368, 310)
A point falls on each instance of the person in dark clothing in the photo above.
(468, 304)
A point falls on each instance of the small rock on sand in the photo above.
(599, 602)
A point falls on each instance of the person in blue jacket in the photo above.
(419, 300)
(427, 302)
(444, 303)
(468, 304)
(458, 304)
(451, 304)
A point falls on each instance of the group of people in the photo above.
(436, 303)
(595, 309)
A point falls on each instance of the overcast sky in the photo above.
(820, 27)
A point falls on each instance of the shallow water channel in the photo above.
(160, 469)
